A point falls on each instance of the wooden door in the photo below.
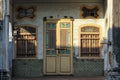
(58, 47)
(65, 46)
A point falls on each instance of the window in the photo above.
(29, 12)
(90, 12)
(89, 42)
(26, 42)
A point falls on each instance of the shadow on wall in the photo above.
(116, 43)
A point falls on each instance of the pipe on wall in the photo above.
(6, 29)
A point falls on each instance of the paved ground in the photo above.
(62, 78)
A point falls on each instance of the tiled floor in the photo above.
(61, 78)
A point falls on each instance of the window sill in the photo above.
(90, 58)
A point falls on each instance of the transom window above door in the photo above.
(89, 41)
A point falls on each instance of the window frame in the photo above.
(79, 41)
(90, 7)
(36, 43)
(26, 8)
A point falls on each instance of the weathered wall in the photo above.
(88, 67)
(59, 9)
(108, 50)
(27, 68)
(3, 62)
(34, 67)
(116, 30)
(10, 35)
(1, 25)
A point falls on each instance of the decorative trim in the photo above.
(90, 11)
(26, 12)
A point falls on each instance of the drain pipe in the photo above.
(6, 36)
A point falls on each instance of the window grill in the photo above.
(26, 43)
(90, 42)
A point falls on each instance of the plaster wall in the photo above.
(3, 57)
(58, 11)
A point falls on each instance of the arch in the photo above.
(89, 29)
(91, 25)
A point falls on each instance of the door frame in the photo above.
(57, 21)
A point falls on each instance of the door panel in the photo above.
(58, 47)
(50, 46)
(52, 38)
(65, 47)
(51, 64)
(65, 38)
(65, 60)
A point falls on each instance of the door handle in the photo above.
(58, 50)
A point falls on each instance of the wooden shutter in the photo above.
(26, 42)
(90, 42)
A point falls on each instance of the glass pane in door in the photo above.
(65, 41)
(50, 38)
